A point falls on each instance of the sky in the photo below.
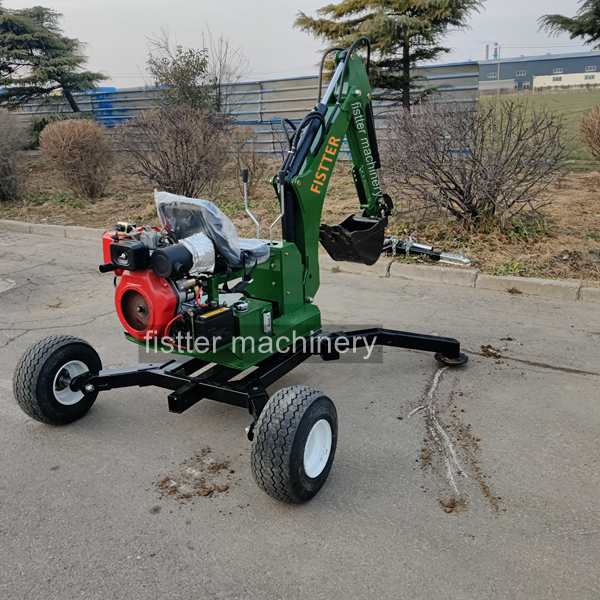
(116, 32)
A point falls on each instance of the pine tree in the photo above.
(585, 24)
(36, 58)
(402, 33)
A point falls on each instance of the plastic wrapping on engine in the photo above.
(203, 252)
(187, 216)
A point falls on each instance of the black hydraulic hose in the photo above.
(292, 159)
(322, 67)
(305, 122)
(298, 140)
(362, 41)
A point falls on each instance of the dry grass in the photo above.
(590, 131)
(564, 242)
(10, 136)
(81, 150)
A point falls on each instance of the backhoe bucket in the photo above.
(357, 239)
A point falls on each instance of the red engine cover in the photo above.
(107, 239)
(145, 304)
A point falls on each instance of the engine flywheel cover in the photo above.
(145, 304)
(135, 310)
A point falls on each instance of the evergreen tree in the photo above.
(585, 24)
(36, 58)
(402, 33)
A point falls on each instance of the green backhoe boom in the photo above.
(344, 113)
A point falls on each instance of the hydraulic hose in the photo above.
(297, 139)
(305, 122)
(362, 41)
(322, 67)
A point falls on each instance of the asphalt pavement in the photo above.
(475, 483)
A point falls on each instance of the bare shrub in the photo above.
(10, 143)
(81, 151)
(476, 165)
(181, 149)
(226, 65)
(247, 155)
(590, 130)
(39, 124)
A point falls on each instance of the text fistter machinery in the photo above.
(193, 287)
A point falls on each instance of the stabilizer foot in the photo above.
(461, 361)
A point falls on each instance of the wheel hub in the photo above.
(317, 448)
(62, 383)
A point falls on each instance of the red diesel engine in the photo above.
(146, 303)
(160, 279)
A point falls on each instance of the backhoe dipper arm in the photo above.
(344, 112)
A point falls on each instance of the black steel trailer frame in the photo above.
(193, 379)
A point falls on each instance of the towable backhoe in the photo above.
(235, 315)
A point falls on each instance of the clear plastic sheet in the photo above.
(188, 216)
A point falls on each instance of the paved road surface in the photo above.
(82, 514)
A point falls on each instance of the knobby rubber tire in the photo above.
(280, 437)
(33, 379)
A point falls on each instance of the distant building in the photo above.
(465, 81)
(580, 69)
(452, 82)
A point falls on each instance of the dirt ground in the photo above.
(563, 242)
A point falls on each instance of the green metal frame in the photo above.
(346, 118)
(286, 285)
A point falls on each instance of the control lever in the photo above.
(245, 180)
(281, 181)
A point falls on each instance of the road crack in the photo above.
(533, 363)
(13, 339)
(15, 326)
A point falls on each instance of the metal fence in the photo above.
(260, 105)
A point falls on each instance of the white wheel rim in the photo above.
(62, 383)
(317, 448)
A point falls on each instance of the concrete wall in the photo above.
(494, 86)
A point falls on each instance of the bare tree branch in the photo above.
(492, 162)
(178, 148)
